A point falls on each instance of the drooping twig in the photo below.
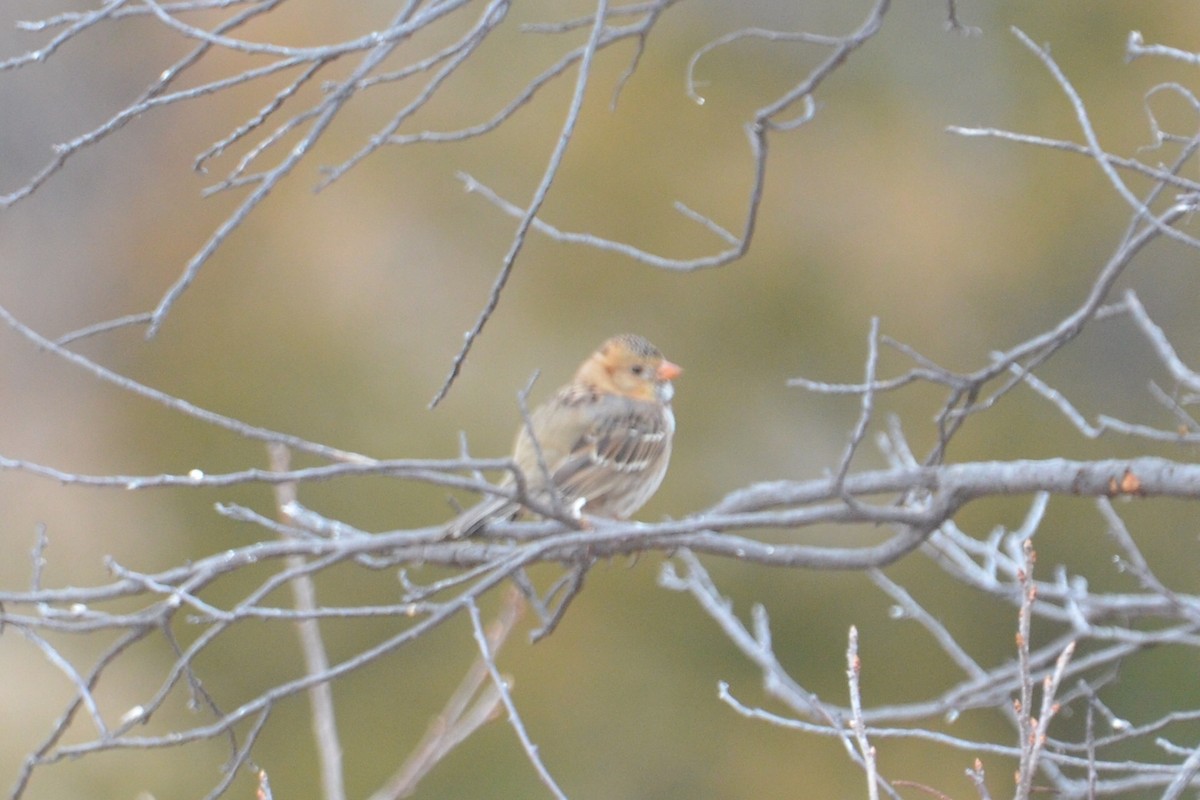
(470, 706)
(535, 204)
(514, 718)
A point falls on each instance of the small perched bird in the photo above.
(605, 437)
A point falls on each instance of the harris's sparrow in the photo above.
(605, 437)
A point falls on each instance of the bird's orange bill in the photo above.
(668, 371)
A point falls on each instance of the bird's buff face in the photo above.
(633, 368)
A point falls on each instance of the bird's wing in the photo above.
(607, 449)
(624, 447)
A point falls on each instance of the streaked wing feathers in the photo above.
(618, 462)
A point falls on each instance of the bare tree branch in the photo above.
(1075, 630)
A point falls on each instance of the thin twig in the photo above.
(535, 204)
(857, 724)
(316, 661)
(514, 718)
(470, 706)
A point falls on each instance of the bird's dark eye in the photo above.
(637, 369)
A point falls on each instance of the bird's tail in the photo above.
(471, 521)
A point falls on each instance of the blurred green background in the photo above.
(335, 316)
